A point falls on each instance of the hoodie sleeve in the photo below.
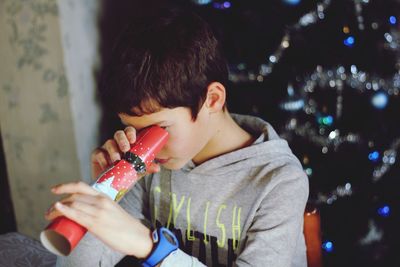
(136, 202)
(93, 252)
(277, 227)
(180, 258)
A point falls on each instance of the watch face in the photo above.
(169, 238)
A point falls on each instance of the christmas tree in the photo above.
(326, 75)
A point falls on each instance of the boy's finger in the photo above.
(99, 156)
(76, 187)
(52, 213)
(153, 167)
(112, 148)
(131, 134)
(89, 199)
(122, 140)
(81, 213)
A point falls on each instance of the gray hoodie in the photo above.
(243, 208)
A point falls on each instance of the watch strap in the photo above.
(165, 242)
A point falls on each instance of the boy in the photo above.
(226, 185)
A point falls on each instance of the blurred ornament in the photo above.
(392, 43)
(292, 2)
(223, 5)
(374, 234)
(349, 41)
(392, 20)
(340, 192)
(313, 16)
(325, 120)
(379, 100)
(374, 25)
(373, 156)
(327, 246)
(358, 11)
(388, 159)
(306, 160)
(293, 103)
(333, 134)
(202, 2)
(384, 211)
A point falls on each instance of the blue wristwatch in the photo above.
(165, 242)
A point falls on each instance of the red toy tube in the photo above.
(62, 235)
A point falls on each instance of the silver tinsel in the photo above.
(237, 75)
(388, 159)
(340, 192)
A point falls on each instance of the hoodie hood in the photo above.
(267, 147)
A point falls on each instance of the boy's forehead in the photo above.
(164, 116)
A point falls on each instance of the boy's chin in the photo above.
(174, 165)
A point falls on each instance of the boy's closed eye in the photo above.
(164, 126)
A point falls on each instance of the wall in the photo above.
(48, 110)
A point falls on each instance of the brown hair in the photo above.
(164, 60)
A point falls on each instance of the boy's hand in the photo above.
(113, 149)
(102, 217)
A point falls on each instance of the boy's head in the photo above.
(163, 60)
(168, 69)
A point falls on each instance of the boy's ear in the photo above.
(216, 96)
